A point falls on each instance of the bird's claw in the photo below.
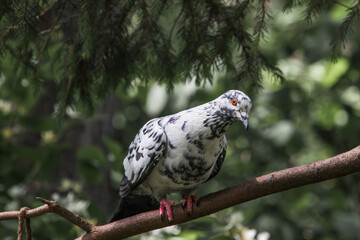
(165, 204)
(188, 202)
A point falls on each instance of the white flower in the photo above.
(263, 236)
(235, 220)
(160, 234)
(249, 234)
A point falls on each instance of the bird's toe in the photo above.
(165, 204)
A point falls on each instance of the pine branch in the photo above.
(345, 30)
(290, 4)
(313, 8)
(334, 167)
(273, 69)
(261, 19)
(341, 4)
(193, 20)
(123, 41)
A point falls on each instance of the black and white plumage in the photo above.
(177, 153)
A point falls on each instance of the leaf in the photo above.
(92, 154)
(334, 71)
(89, 173)
(39, 123)
(113, 146)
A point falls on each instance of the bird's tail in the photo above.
(134, 204)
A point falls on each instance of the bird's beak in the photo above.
(245, 121)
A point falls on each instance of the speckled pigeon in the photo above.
(177, 153)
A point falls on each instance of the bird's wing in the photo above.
(144, 153)
(219, 160)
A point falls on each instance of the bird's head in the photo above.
(236, 105)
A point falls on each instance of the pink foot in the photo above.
(188, 201)
(166, 204)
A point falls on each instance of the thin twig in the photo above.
(67, 214)
(50, 207)
(341, 4)
(21, 218)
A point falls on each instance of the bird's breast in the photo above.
(189, 161)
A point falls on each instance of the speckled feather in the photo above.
(177, 153)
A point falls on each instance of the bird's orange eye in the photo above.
(234, 102)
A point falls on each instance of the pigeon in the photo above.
(177, 153)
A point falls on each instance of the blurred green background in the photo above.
(312, 115)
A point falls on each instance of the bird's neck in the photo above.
(214, 121)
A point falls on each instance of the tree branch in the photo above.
(337, 166)
(50, 207)
(334, 167)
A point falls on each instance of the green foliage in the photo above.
(346, 28)
(93, 47)
(97, 46)
(101, 45)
